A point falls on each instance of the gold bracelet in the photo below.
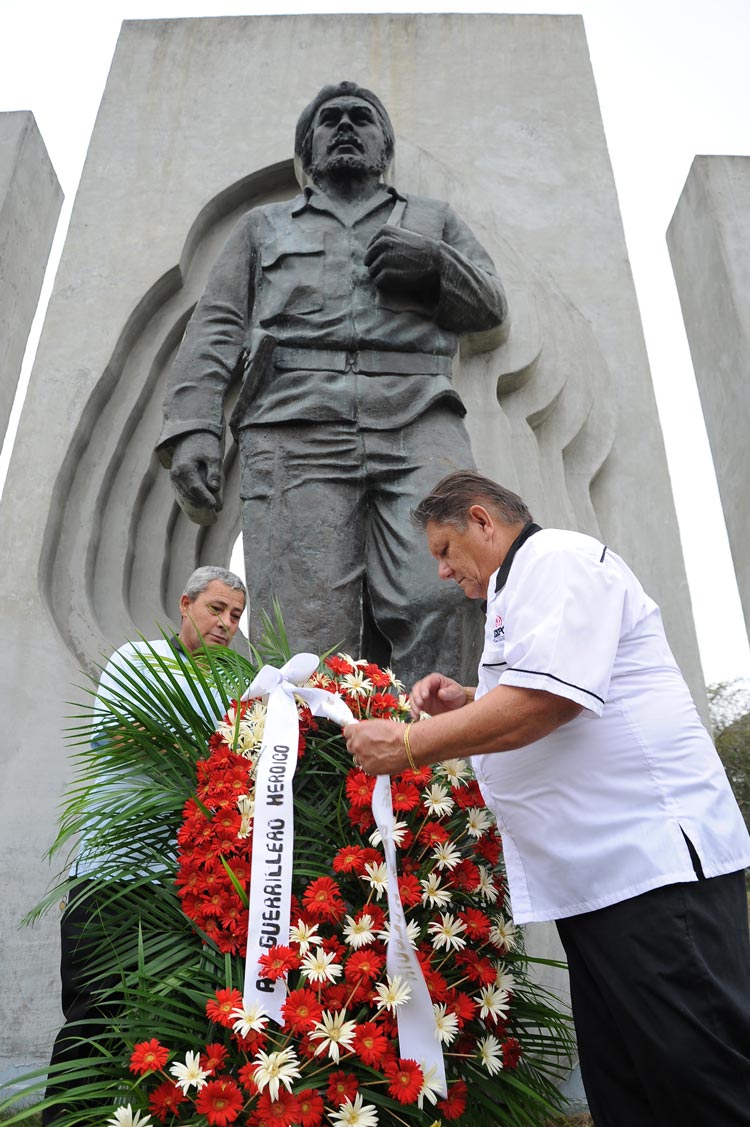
(469, 695)
(407, 748)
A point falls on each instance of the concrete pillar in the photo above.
(30, 202)
(709, 243)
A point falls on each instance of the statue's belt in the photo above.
(371, 361)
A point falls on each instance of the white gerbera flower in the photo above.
(456, 771)
(432, 1085)
(398, 685)
(446, 1024)
(478, 821)
(351, 660)
(493, 1001)
(396, 833)
(491, 1054)
(433, 892)
(354, 1114)
(503, 934)
(358, 933)
(189, 1073)
(318, 966)
(446, 932)
(392, 993)
(305, 935)
(377, 875)
(124, 1117)
(503, 980)
(357, 684)
(437, 800)
(404, 706)
(254, 1017)
(246, 808)
(334, 1034)
(412, 932)
(486, 887)
(273, 1069)
(446, 855)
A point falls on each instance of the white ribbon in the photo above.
(417, 1029)
(273, 852)
(273, 825)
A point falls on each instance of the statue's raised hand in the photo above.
(197, 475)
(398, 259)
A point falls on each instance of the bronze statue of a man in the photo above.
(345, 306)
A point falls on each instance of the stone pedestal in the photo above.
(709, 242)
(30, 202)
(496, 114)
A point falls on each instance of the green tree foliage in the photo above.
(729, 706)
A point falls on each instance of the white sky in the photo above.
(673, 81)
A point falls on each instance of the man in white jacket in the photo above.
(617, 818)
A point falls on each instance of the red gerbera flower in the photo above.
(246, 1077)
(454, 1104)
(467, 796)
(283, 1111)
(511, 1052)
(359, 788)
(341, 1086)
(379, 678)
(301, 1010)
(322, 899)
(214, 1057)
(311, 1107)
(278, 962)
(370, 1043)
(432, 833)
(462, 1006)
(477, 923)
(406, 1080)
(410, 890)
(405, 795)
(148, 1056)
(366, 964)
(346, 859)
(165, 1100)
(337, 665)
(220, 1101)
(219, 1008)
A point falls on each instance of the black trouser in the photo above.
(87, 1015)
(660, 989)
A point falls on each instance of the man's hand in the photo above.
(399, 259)
(377, 746)
(197, 475)
(437, 693)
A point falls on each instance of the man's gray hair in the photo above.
(202, 576)
(450, 500)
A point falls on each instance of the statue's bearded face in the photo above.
(347, 139)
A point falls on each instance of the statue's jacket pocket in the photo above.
(292, 279)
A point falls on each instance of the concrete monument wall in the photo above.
(709, 242)
(30, 202)
(496, 114)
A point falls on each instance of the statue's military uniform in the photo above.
(348, 424)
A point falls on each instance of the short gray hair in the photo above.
(450, 500)
(202, 576)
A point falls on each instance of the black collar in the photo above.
(504, 570)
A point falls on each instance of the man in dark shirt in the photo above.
(346, 305)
